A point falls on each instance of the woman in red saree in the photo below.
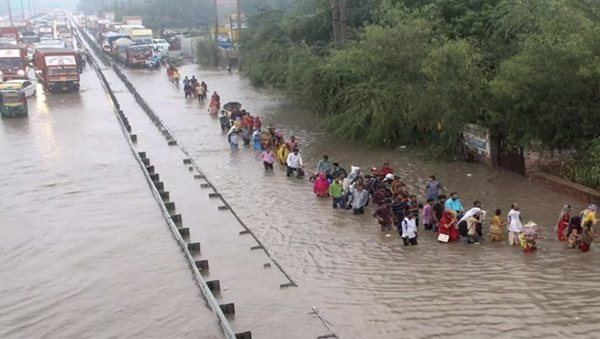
(448, 225)
(563, 223)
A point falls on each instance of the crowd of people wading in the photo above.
(388, 199)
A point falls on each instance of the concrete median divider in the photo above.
(161, 196)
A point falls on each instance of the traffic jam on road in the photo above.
(40, 51)
(41, 54)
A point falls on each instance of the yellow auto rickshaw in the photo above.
(13, 102)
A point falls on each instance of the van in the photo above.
(161, 44)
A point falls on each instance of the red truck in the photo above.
(13, 62)
(57, 68)
(138, 55)
(10, 34)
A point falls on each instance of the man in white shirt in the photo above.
(294, 163)
(359, 199)
(515, 226)
(409, 230)
(232, 137)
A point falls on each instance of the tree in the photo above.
(550, 91)
(455, 94)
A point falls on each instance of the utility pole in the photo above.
(9, 13)
(239, 19)
(338, 20)
(22, 11)
(335, 19)
(29, 7)
(343, 22)
(216, 33)
(231, 26)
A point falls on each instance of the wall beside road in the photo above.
(567, 187)
(536, 157)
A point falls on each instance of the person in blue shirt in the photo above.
(454, 204)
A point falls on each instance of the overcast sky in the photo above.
(41, 4)
(69, 4)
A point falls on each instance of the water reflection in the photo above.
(74, 262)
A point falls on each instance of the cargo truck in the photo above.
(57, 68)
(10, 34)
(13, 61)
(138, 55)
(141, 36)
(132, 20)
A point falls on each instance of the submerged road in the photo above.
(369, 286)
(87, 254)
(84, 251)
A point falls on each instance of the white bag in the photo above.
(443, 237)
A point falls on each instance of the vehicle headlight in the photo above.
(1, 73)
(21, 72)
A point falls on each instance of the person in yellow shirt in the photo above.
(588, 220)
(589, 215)
(497, 226)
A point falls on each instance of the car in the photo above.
(27, 86)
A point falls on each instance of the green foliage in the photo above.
(371, 103)
(455, 92)
(549, 91)
(585, 169)
(252, 7)
(416, 71)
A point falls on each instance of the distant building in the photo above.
(232, 24)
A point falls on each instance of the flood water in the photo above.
(84, 251)
(369, 286)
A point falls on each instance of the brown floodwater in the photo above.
(84, 251)
(367, 285)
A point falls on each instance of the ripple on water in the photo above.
(369, 286)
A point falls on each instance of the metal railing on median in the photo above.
(205, 290)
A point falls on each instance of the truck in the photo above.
(57, 68)
(138, 55)
(13, 61)
(10, 34)
(132, 20)
(141, 36)
(108, 38)
(119, 50)
(61, 30)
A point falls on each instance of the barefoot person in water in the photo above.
(497, 226)
(515, 226)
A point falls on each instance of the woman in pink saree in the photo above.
(321, 186)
